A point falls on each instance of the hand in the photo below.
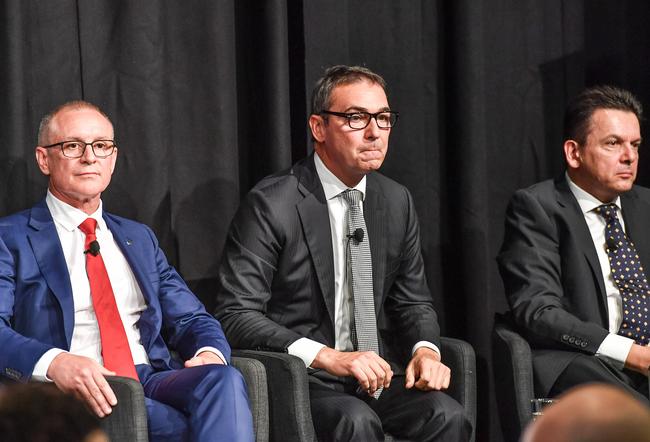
(84, 378)
(426, 372)
(638, 359)
(204, 358)
(367, 367)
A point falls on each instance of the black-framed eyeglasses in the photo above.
(76, 149)
(361, 120)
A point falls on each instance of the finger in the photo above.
(361, 377)
(106, 389)
(86, 396)
(439, 378)
(373, 379)
(410, 375)
(389, 378)
(378, 374)
(443, 379)
(446, 381)
(98, 395)
(387, 371)
(194, 362)
(442, 376)
(105, 371)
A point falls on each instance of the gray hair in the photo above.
(338, 75)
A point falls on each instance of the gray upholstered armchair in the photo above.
(290, 415)
(128, 422)
(513, 376)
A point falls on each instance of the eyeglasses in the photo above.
(76, 149)
(361, 120)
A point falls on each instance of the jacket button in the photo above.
(565, 337)
(572, 340)
(583, 344)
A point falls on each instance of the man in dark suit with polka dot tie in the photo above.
(575, 253)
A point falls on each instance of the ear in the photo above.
(42, 160)
(317, 126)
(572, 154)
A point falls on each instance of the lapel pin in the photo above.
(128, 242)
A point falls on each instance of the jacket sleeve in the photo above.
(530, 263)
(187, 326)
(19, 353)
(249, 263)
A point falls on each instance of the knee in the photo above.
(359, 423)
(221, 379)
(449, 419)
(224, 375)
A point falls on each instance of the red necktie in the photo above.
(115, 346)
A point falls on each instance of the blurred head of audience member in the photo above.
(38, 412)
(592, 413)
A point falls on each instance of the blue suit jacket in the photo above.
(36, 304)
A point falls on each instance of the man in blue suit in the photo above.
(51, 322)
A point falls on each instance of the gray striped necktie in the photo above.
(359, 271)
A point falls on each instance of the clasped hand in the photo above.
(424, 371)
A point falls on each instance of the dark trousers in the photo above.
(586, 368)
(205, 403)
(339, 414)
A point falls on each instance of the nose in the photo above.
(89, 154)
(630, 153)
(372, 129)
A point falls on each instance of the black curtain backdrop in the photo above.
(207, 97)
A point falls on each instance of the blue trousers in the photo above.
(205, 403)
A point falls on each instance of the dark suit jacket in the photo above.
(36, 304)
(277, 273)
(552, 275)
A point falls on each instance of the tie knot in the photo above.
(607, 211)
(88, 226)
(352, 196)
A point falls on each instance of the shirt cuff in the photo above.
(615, 348)
(213, 350)
(305, 349)
(43, 364)
(426, 344)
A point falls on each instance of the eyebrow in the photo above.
(619, 138)
(363, 109)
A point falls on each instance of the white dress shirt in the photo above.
(305, 348)
(614, 347)
(130, 302)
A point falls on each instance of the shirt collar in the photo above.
(70, 217)
(332, 186)
(587, 201)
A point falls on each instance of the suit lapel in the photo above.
(576, 220)
(131, 248)
(373, 213)
(314, 217)
(48, 253)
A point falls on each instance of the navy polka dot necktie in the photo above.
(628, 275)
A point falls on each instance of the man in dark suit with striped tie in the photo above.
(323, 261)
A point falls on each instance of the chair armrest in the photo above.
(255, 376)
(459, 356)
(513, 373)
(288, 392)
(128, 421)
